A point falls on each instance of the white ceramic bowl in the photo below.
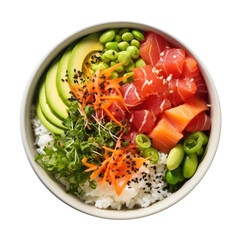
(57, 190)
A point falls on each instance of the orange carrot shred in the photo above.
(112, 117)
(115, 169)
(95, 93)
(84, 161)
(88, 71)
(107, 72)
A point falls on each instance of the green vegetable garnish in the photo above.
(152, 153)
(63, 159)
(194, 142)
(143, 141)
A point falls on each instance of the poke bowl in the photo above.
(120, 120)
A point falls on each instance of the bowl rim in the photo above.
(109, 213)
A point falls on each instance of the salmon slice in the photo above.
(131, 95)
(171, 62)
(180, 90)
(201, 122)
(202, 90)
(151, 48)
(143, 121)
(164, 136)
(190, 67)
(147, 82)
(182, 115)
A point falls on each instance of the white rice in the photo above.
(42, 135)
(147, 185)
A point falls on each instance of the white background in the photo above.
(30, 29)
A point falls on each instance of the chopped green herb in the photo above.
(63, 159)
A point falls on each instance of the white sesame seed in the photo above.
(162, 54)
(209, 105)
(169, 78)
(171, 91)
(174, 56)
(192, 80)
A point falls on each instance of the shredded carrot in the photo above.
(112, 117)
(118, 168)
(84, 161)
(88, 71)
(108, 72)
(109, 149)
(96, 92)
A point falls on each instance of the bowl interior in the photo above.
(28, 138)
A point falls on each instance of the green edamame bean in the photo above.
(140, 63)
(172, 177)
(107, 36)
(129, 79)
(117, 38)
(124, 56)
(127, 36)
(104, 58)
(123, 45)
(112, 63)
(112, 46)
(101, 66)
(119, 69)
(94, 67)
(134, 52)
(175, 157)
(138, 35)
(135, 43)
(181, 177)
(111, 54)
(122, 31)
(190, 164)
(130, 66)
(114, 75)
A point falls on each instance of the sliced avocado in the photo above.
(85, 47)
(62, 85)
(53, 99)
(46, 123)
(46, 109)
